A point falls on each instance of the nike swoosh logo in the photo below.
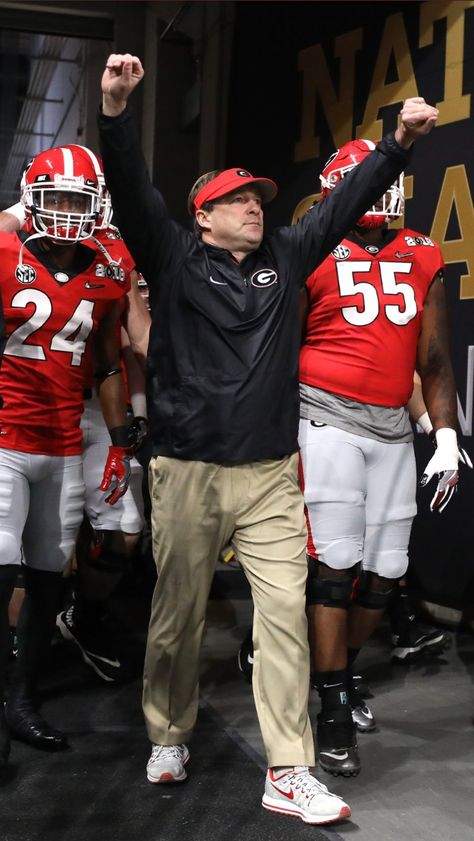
(115, 662)
(218, 282)
(401, 254)
(289, 794)
(94, 285)
(340, 757)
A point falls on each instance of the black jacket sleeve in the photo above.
(150, 235)
(330, 220)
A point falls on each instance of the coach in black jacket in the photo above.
(223, 407)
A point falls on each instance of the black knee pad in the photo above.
(330, 587)
(373, 591)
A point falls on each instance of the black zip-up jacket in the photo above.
(225, 337)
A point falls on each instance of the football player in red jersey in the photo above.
(103, 556)
(376, 311)
(59, 292)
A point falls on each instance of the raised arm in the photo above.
(324, 226)
(149, 233)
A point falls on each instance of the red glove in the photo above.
(117, 470)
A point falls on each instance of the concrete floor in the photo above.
(417, 778)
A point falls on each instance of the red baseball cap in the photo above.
(233, 179)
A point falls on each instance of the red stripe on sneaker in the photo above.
(288, 794)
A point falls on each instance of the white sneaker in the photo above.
(166, 764)
(294, 791)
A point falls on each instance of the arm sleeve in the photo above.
(330, 220)
(149, 233)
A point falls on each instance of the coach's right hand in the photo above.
(121, 76)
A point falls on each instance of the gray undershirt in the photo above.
(383, 423)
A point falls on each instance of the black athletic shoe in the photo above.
(96, 649)
(362, 715)
(409, 635)
(416, 637)
(245, 657)
(337, 743)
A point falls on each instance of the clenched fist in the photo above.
(417, 119)
(121, 76)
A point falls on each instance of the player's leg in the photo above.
(103, 553)
(14, 493)
(371, 596)
(390, 506)
(334, 490)
(55, 513)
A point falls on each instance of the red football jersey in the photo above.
(365, 318)
(50, 317)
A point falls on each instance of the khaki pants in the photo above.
(197, 509)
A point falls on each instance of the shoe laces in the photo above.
(171, 751)
(303, 781)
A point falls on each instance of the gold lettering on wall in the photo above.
(455, 106)
(303, 206)
(394, 43)
(455, 196)
(317, 82)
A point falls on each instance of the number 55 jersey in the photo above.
(49, 318)
(366, 303)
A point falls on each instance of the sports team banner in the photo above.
(308, 77)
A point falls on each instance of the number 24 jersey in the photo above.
(365, 317)
(50, 317)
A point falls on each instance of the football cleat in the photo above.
(96, 648)
(337, 743)
(362, 715)
(417, 637)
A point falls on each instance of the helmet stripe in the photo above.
(68, 162)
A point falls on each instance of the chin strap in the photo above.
(104, 251)
(28, 239)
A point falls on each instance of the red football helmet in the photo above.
(60, 192)
(105, 214)
(390, 205)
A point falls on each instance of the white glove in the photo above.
(445, 464)
(425, 423)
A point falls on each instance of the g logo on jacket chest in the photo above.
(264, 278)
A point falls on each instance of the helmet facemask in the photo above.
(63, 225)
(60, 192)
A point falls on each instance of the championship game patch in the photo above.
(25, 274)
(112, 270)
